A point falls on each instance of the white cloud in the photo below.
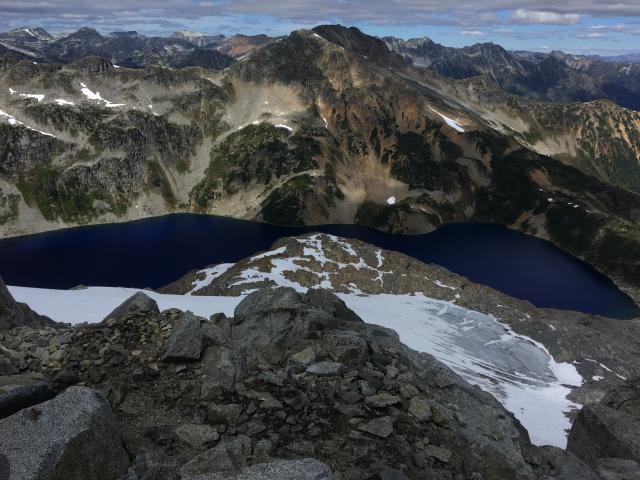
(154, 16)
(473, 33)
(549, 18)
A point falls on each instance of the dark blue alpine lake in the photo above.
(157, 251)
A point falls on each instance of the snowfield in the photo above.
(450, 121)
(519, 372)
(93, 304)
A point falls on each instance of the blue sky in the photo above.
(577, 26)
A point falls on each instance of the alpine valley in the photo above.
(323, 126)
(321, 357)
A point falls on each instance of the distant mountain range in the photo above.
(553, 77)
(130, 49)
(328, 125)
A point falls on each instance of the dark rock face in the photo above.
(618, 469)
(14, 398)
(138, 304)
(610, 429)
(13, 314)
(73, 436)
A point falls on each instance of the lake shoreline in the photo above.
(194, 239)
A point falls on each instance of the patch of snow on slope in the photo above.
(61, 102)
(96, 96)
(286, 127)
(313, 250)
(514, 368)
(444, 285)
(38, 97)
(451, 122)
(13, 121)
(210, 275)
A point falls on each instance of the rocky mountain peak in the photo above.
(198, 39)
(29, 34)
(84, 33)
(354, 40)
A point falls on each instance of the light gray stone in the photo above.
(326, 369)
(227, 414)
(185, 342)
(73, 437)
(380, 427)
(438, 453)
(303, 469)
(419, 407)
(196, 435)
(382, 400)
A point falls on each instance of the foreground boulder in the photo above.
(73, 437)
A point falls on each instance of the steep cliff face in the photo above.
(322, 126)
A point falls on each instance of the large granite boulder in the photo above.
(72, 437)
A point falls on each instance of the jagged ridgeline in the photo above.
(327, 125)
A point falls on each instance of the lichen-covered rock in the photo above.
(380, 427)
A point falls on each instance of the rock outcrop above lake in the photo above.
(294, 384)
(605, 351)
